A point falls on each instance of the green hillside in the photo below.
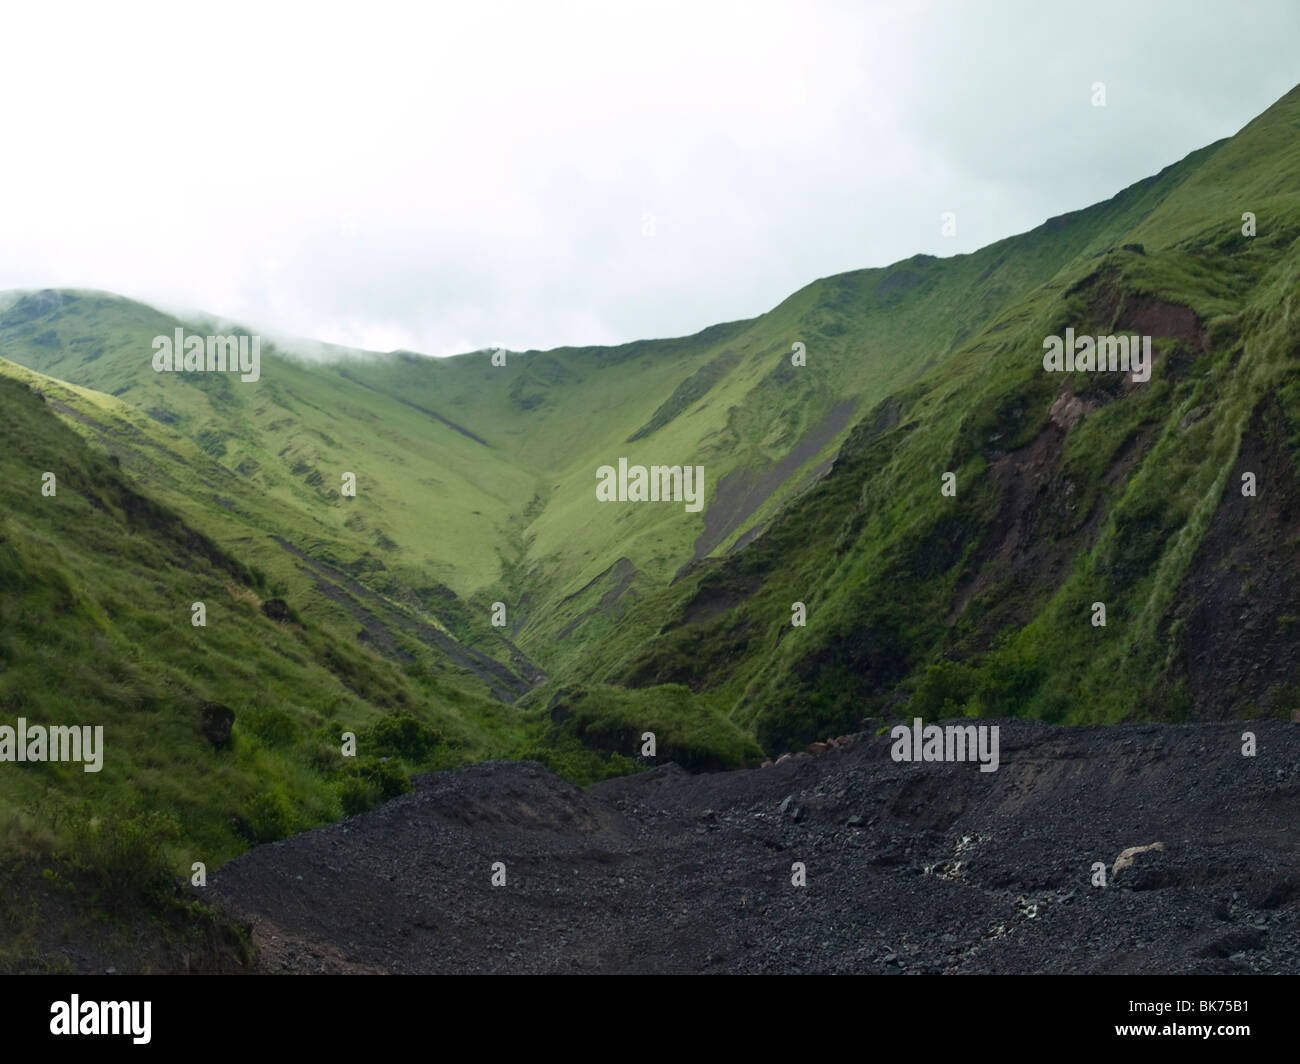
(476, 485)
(1072, 489)
(481, 477)
(99, 583)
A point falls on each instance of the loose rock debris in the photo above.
(909, 868)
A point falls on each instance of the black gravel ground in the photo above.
(911, 868)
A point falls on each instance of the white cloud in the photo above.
(453, 177)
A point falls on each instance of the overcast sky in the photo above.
(447, 177)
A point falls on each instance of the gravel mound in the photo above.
(910, 868)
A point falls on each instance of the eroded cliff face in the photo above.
(1237, 622)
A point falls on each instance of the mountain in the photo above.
(1071, 489)
(883, 453)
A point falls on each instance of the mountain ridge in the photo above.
(473, 600)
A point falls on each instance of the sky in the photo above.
(451, 177)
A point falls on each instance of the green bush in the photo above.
(387, 777)
(612, 720)
(943, 689)
(271, 816)
(273, 726)
(402, 736)
(355, 795)
(370, 781)
(1009, 679)
(126, 857)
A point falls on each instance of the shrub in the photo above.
(273, 726)
(387, 777)
(126, 857)
(403, 736)
(355, 795)
(370, 781)
(271, 816)
(943, 689)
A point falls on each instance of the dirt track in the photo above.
(910, 867)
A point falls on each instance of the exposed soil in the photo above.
(1031, 492)
(1023, 480)
(50, 925)
(1118, 310)
(741, 492)
(619, 578)
(910, 867)
(1240, 599)
(690, 391)
(810, 478)
(380, 617)
(714, 598)
(1149, 316)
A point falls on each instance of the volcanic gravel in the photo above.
(910, 868)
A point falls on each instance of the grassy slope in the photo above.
(867, 334)
(882, 559)
(516, 519)
(254, 461)
(98, 583)
(913, 605)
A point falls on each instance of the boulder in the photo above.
(1125, 859)
(276, 608)
(215, 721)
